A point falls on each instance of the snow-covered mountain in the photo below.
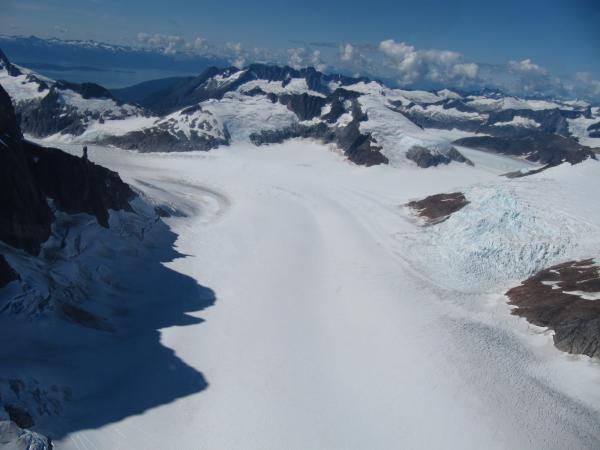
(46, 107)
(346, 294)
(369, 122)
(63, 221)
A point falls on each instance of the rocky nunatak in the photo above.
(566, 299)
(437, 208)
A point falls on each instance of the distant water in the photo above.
(111, 78)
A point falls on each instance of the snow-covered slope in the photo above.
(336, 307)
(61, 219)
(369, 122)
(47, 107)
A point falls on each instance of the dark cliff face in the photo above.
(424, 157)
(87, 90)
(77, 185)
(7, 273)
(305, 106)
(30, 174)
(552, 121)
(594, 130)
(5, 63)
(50, 116)
(25, 217)
(544, 148)
(358, 147)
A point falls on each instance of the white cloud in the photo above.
(235, 47)
(239, 62)
(413, 65)
(169, 44)
(317, 62)
(197, 44)
(235, 53)
(466, 70)
(586, 82)
(392, 60)
(347, 52)
(296, 57)
(526, 67)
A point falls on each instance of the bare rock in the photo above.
(437, 208)
(566, 299)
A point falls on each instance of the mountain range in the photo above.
(266, 104)
(90, 265)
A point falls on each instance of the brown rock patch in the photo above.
(437, 208)
(556, 298)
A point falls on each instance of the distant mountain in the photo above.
(214, 83)
(112, 65)
(31, 49)
(144, 92)
(368, 121)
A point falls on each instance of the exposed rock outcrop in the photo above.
(594, 130)
(360, 148)
(425, 157)
(543, 148)
(193, 129)
(566, 299)
(206, 86)
(30, 174)
(12, 70)
(7, 273)
(551, 121)
(52, 114)
(437, 208)
(77, 185)
(25, 217)
(305, 106)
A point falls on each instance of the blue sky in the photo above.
(559, 37)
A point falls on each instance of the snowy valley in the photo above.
(256, 258)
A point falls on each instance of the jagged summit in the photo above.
(215, 82)
(261, 103)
